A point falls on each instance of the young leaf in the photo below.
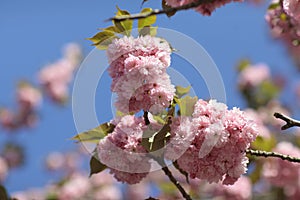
(96, 134)
(125, 26)
(147, 30)
(186, 105)
(112, 29)
(148, 21)
(165, 6)
(95, 165)
(181, 91)
(103, 39)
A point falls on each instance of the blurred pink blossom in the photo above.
(55, 77)
(3, 169)
(75, 188)
(240, 190)
(254, 75)
(282, 173)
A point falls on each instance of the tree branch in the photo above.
(176, 183)
(159, 12)
(289, 121)
(272, 154)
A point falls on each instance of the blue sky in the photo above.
(33, 32)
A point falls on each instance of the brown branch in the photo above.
(176, 183)
(159, 12)
(289, 121)
(272, 154)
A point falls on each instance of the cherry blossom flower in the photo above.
(282, 173)
(254, 75)
(205, 9)
(240, 190)
(217, 152)
(138, 68)
(122, 151)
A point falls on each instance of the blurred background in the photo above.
(34, 34)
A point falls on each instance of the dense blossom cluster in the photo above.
(205, 9)
(122, 151)
(221, 136)
(282, 173)
(138, 68)
(284, 21)
(55, 77)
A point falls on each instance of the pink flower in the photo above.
(28, 96)
(3, 169)
(254, 75)
(257, 118)
(292, 8)
(283, 173)
(240, 190)
(284, 21)
(182, 136)
(55, 161)
(138, 68)
(107, 192)
(122, 151)
(7, 119)
(75, 188)
(205, 9)
(56, 76)
(217, 152)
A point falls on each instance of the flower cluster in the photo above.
(123, 152)
(241, 190)
(205, 9)
(28, 99)
(219, 138)
(284, 21)
(55, 77)
(254, 75)
(282, 173)
(138, 68)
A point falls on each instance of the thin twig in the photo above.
(289, 121)
(159, 12)
(176, 183)
(272, 154)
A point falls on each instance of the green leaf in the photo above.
(95, 165)
(243, 64)
(264, 144)
(147, 30)
(186, 105)
(165, 6)
(273, 6)
(124, 26)
(181, 91)
(148, 21)
(102, 39)
(3, 193)
(112, 29)
(96, 134)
